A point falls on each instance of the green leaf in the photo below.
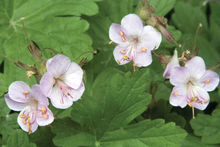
(42, 137)
(193, 141)
(214, 25)
(162, 7)
(45, 29)
(162, 110)
(71, 134)
(124, 97)
(194, 16)
(101, 82)
(208, 127)
(144, 134)
(19, 138)
(215, 12)
(3, 87)
(105, 123)
(7, 121)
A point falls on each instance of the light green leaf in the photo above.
(193, 141)
(45, 29)
(162, 7)
(19, 138)
(187, 19)
(208, 127)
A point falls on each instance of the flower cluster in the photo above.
(62, 83)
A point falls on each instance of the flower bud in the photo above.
(143, 13)
(152, 21)
(42, 69)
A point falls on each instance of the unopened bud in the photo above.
(143, 13)
(152, 21)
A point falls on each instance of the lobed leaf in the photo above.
(19, 138)
(104, 123)
(193, 141)
(208, 127)
(45, 28)
(7, 121)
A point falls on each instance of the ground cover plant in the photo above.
(109, 73)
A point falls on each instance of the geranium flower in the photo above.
(192, 83)
(62, 82)
(174, 62)
(32, 103)
(135, 41)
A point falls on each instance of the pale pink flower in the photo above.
(32, 103)
(192, 83)
(135, 42)
(62, 82)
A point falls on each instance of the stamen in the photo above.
(45, 116)
(123, 38)
(110, 42)
(194, 99)
(118, 62)
(207, 81)
(126, 57)
(30, 130)
(25, 92)
(190, 104)
(123, 52)
(28, 123)
(44, 110)
(206, 101)
(135, 64)
(66, 92)
(143, 49)
(175, 93)
(24, 121)
(121, 33)
(22, 115)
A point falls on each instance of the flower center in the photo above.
(64, 91)
(193, 96)
(30, 113)
(131, 51)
